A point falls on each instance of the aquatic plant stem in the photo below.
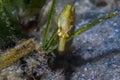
(48, 23)
(51, 39)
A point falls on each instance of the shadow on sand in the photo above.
(69, 62)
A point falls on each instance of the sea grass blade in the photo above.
(16, 53)
(92, 24)
(52, 48)
(51, 39)
(87, 27)
(48, 23)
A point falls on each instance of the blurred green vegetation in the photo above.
(10, 28)
(9, 24)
